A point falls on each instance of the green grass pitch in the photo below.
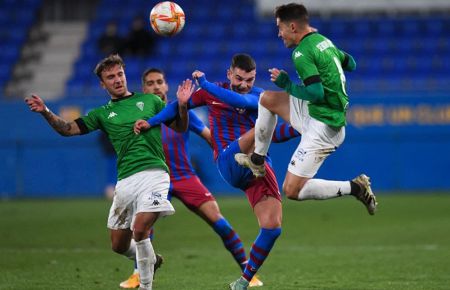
(334, 244)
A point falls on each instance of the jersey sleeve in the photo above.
(245, 101)
(195, 124)
(347, 61)
(89, 122)
(166, 114)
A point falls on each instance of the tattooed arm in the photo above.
(63, 127)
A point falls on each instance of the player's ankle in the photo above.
(257, 159)
(354, 188)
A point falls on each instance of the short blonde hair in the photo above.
(108, 62)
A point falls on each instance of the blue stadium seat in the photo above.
(392, 52)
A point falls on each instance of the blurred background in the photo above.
(399, 117)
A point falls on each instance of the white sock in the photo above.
(323, 189)
(146, 260)
(131, 252)
(264, 127)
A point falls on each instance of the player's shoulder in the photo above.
(98, 110)
(256, 91)
(310, 45)
(150, 97)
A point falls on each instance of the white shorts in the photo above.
(145, 191)
(317, 142)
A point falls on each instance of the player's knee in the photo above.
(291, 190)
(140, 233)
(119, 248)
(265, 99)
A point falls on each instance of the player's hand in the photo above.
(185, 91)
(274, 73)
(196, 75)
(141, 126)
(36, 104)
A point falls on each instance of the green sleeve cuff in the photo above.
(283, 80)
(313, 93)
(349, 63)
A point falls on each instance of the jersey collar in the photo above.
(306, 35)
(121, 99)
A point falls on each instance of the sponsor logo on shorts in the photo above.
(155, 195)
(300, 154)
(155, 198)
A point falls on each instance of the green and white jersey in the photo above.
(317, 59)
(135, 153)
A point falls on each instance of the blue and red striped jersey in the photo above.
(176, 148)
(226, 123)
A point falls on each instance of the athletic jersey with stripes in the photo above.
(176, 148)
(226, 123)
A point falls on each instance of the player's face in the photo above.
(113, 80)
(286, 33)
(154, 83)
(241, 81)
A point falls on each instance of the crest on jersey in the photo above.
(240, 111)
(140, 105)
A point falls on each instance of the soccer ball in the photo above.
(167, 18)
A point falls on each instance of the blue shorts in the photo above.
(241, 177)
(231, 171)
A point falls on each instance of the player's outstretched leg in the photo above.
(252, 162)
(364, 193)
(133, 281)
(234, 245)
(231, 241)
(258, 254)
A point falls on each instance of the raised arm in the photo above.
(63, 127)
(348, 62)
(173, 115)
(198, 127)
(181, 122)
(312, 90)
(244, 101)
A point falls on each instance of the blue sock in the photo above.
(231, 241)
(260, 250)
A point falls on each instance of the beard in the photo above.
(240, 89)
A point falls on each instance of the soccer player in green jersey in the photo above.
(143, 179)
(316, 109)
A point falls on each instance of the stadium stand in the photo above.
(394, 52)
(19, 22)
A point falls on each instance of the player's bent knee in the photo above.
(291, 191)
(140, 234)
(265, 99)
(119, 248)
